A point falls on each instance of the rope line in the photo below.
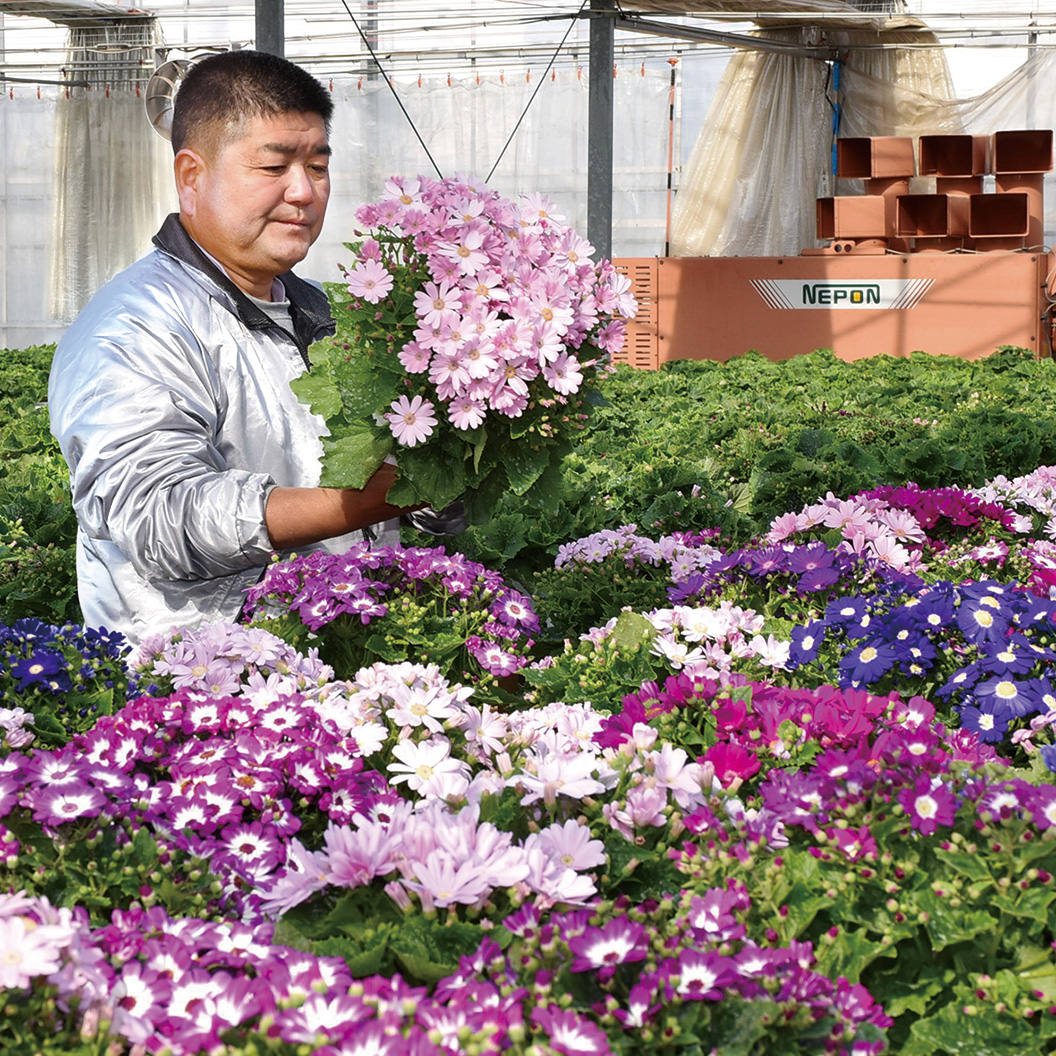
(553, 58)
(392, 88)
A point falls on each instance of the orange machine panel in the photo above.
(960, 304)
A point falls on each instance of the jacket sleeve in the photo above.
(138, 417)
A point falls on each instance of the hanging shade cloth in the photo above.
(782, 12)
(764, 154)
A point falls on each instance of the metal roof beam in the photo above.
(677, 31)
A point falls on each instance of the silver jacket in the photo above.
(170, 398)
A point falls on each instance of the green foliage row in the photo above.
(38, 528)
(693, 446)
(700, 444)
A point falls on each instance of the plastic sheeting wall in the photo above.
(82, 190)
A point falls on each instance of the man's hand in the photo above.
(298, 516)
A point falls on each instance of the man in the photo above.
(191, 461)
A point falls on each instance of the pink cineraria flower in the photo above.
(405, 191)
(369, 280)
(358, 855)
(412, 420)
(438, 303)
(415, 357)
(564, 374)
(572, 776)
(466, 252)
(571, 845)
(465, 412)
(417, 764)
(30, 950)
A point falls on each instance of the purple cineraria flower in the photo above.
(569, 1033)
(703, 975)
(605, 948)
(641, 1005)
(1042, 803)
(711, 916)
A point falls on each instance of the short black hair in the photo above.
(234, 86)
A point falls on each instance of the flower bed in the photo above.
(795, 797)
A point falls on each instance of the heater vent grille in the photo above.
(640, 346)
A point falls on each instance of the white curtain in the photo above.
(765, 152)
(111, 184)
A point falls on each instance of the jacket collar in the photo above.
(309, 307)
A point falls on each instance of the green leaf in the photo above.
(362, 960)
(632, 632)
(349, 461)
(144, 849)
(849, 954)
(318, 391)
(524, 466)
(970, 865)
(987, 1032)
(1031, 904)
(947, 925)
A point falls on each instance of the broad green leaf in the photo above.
(434, 478)
(947, 925)
(318, 391)
(632, 632)
(523, 466)
(351, 460)
(970, 865)
(1032, 904)
(987, 1032)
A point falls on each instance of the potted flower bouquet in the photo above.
(471, 332)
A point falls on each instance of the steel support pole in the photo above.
(599, 126)
(270, 35)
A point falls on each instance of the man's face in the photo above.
(257, 201)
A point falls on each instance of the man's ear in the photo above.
(189, 168)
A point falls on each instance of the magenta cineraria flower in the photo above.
(929, 804)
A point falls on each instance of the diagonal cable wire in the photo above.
(392, 88)
(539, 84)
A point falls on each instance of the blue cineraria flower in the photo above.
(933, 607)
(915, 653)
(806, 642)
(984, 621)
(847, 613)
(961, 680)
(1017, 656)
(1045, 693)
(1003, 692)
(1036, 612)
(1048, 756)
(867, 662)
(42, 668)
(988, 721)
